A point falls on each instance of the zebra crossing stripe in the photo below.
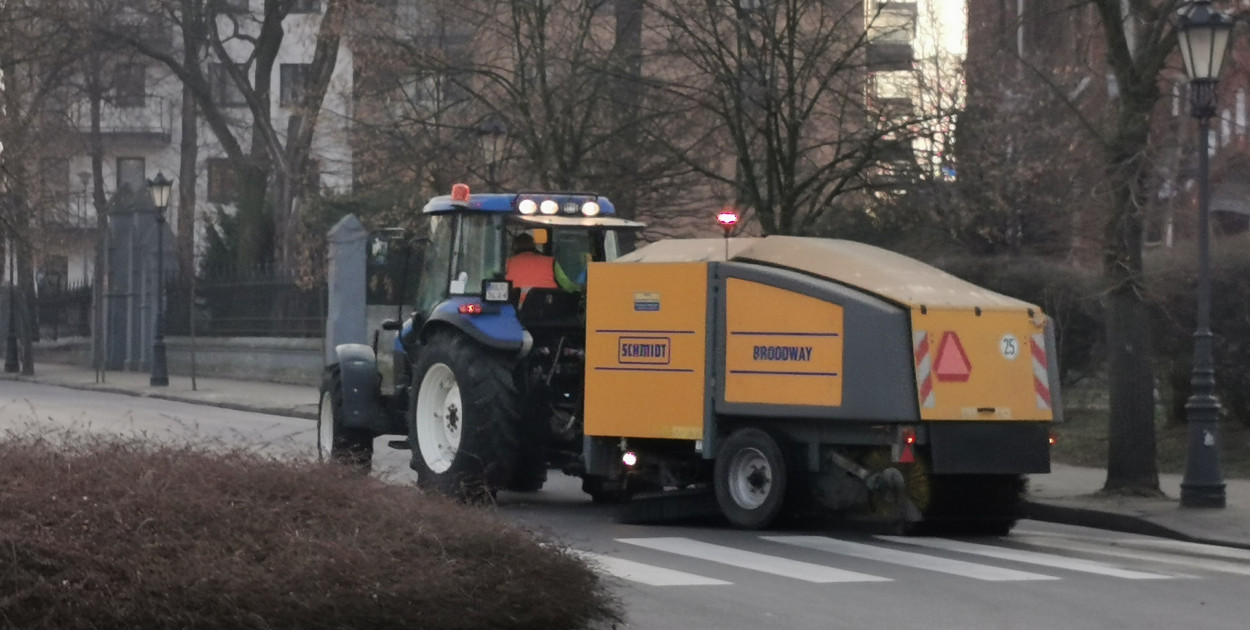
(763, 563)
(1156, 557)
(909, 559)
(645, 573)
(1027, 557)
(1226, 553)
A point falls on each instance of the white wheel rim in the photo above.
(750, 478)
(325, 427)
(439, 418)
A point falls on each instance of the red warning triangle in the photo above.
(908, 456)
(952, 362)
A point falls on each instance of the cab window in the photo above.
(436, 265)
(478, 253)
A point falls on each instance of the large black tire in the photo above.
(987, 505)
(602, 491)
(752, 478)
(462, 421)
(533, 435)
(336, 443)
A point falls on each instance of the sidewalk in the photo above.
(274, 398)
(1066, 495)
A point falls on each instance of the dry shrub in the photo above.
(119, 534)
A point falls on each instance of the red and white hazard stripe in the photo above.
(1041, 376)
(924, 368)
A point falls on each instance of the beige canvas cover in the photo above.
(688, 250)
(884, 273)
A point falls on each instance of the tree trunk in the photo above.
(26, 325)
(628, 99)
(1131, 466)
(188, 155)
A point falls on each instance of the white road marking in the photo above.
(909, 559)
(1146, 542)
(730, 556)
(1224, 553)
(645, 573)
(1027, 557)
(1116, 551)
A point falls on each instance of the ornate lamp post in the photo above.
(492, 134)
(1203, 34)
(160, 188)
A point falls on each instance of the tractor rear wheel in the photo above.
(335, 442)
(751, 478)
(462, 423)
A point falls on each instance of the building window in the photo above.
(131, 181)
(54, 180)
(129, 85)
(223, 186)
(294, 80)
(225, 91)
(306, 6)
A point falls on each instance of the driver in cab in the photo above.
(528, 268)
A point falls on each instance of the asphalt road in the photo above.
(701, 574)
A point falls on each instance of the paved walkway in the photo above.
(1069, 494)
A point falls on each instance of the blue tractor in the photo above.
(487, 375)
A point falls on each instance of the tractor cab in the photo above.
(502, 284)
(516, 255)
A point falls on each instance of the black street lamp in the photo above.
(493, 134)
(160, 188)
(1203, 34)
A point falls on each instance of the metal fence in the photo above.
(256, 302)
(63, 312)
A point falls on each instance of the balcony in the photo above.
(889, 56)
(150, 123)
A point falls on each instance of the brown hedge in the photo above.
(118, 534)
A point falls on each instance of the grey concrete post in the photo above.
(346, 321)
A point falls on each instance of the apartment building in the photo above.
(1012, 42)
(140, 132)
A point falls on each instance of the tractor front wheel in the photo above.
(335, 442)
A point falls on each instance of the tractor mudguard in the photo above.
(362, 395)
(497, 327)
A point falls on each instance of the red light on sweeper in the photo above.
(727, 218)
(460, 192)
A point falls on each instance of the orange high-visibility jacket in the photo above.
(531, 270)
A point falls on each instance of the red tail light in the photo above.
(909, 435)
(470, 309)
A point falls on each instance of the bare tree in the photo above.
(781, 88)
(273, 169)
(1136, 41)
(562, 77)
(39, 56)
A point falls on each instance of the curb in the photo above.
(108, 389)
(1114, 521)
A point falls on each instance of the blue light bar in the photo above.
(507, 202)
